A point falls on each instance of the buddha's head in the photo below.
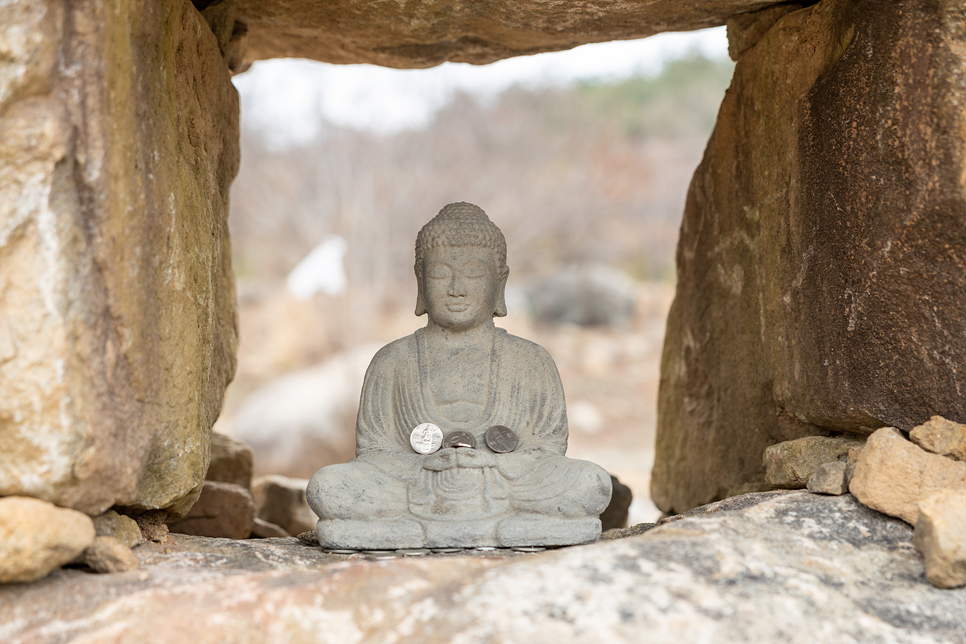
(461, 268)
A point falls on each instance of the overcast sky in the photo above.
(288, 99)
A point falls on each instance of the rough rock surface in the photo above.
(231, 461)
(470, 31)
(36, 537)
(791, 464)
(941, 436)
(107, 554)
(893, 475)
(281, 500)
(124, 529)
(820, 264)
(941, 538)
(118, 142)
(792, 567)
(830, 478)
(223, 510)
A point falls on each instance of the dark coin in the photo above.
(445, 551)
(459, 439)
(501, 439)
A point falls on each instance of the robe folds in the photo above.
(524, 394)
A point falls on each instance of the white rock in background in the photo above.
(321, 271)
(305, 419)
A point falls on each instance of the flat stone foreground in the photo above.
(788, 567)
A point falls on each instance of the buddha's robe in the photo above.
(524, 394)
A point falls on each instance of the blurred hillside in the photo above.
(594, 173)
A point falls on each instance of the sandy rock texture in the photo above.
(470, 31)
(820, 264)
(789, 567)
(941, 537)
(118, 142)
(893, 475)
(37, 537)
(941, 436)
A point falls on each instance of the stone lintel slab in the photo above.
(424, 34)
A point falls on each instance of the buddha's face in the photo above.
(461, 286)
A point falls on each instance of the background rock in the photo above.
(583, 295)
(470, 31)
(107, 554)
(941, 436)
(830, 478)
(36, 537)
(792, 464)
(941, 537)
(615, 514)
(820, 272)
(124, 529)
(281, 500)
(231, 461)
(782, 569)
(893, 475)
(223, 510)
(305, 419)
(118, 142)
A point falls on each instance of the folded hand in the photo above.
(444, 459)
(474, 458)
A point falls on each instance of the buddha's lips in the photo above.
(457, 307)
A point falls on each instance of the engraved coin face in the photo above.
(426, 438)
(459, 439)
(501, 439)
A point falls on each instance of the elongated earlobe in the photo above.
(500, 311)
(420, 304)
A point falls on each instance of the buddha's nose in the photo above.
(456, 287)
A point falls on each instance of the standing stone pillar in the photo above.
(118, 143)
(822, 258)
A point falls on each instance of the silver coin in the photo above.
(412, 552)
(528, 549)
(378, 552)
(459, 439)
(485, 548)
(501, 439)
(445, 551)
(426, 438)
(381, 557)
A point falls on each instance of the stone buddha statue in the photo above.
(506, 482)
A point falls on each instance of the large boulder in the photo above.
(781, 567)
(118, 142)
(821, 269)
(469, 31)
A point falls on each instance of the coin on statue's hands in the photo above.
(426, 438)
(459, 438)
(501, 439)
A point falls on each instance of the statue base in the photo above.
(501, 532)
